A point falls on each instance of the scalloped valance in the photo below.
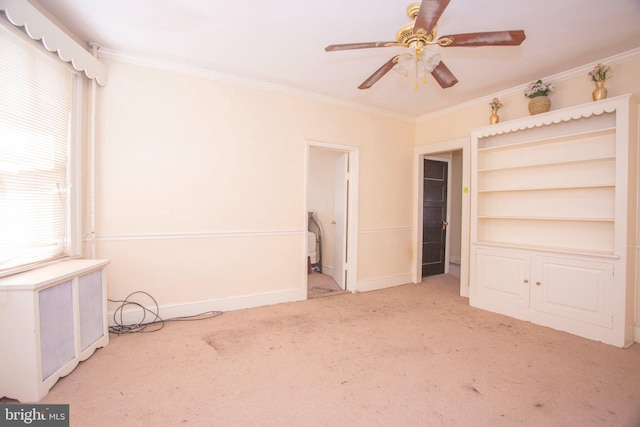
(21, 13)
(555, 116)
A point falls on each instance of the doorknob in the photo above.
(444, 225)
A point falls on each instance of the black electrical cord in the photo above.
(153, 325)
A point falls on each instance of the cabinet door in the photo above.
(572, 289)
(57, 338)
(502, 282)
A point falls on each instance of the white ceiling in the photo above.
(281, 42)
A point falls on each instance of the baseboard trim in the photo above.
(131, 316)
(454, 269)
(636, 333)
(383, 283)
(327, 270)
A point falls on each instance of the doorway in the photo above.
(331, 220)
(451, 239)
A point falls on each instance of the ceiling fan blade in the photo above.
(490, 38)
(443, 76)
(430, 12)
(377, 75)
(349, 46)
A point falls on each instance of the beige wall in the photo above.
(201, 188)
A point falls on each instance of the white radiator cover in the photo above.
(51, 319)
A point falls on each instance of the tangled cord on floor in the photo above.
(153, 325)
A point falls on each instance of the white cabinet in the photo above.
(553, 215)
(50, 319)
(569, 293)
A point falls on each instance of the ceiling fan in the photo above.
(421, 33)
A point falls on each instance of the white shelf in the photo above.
(552, 250)
(587, 236)
(594, 145)
(539, 218)
(555, 188)
(549, 164)
(551, 140)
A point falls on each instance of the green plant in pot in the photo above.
(538, 93)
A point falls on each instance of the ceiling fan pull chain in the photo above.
(418, 59)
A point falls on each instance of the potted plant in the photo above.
(495, 105)
(538, 93)
(599, 75)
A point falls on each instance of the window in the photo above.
(39, 177)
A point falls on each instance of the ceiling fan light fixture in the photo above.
(433, 61)
(405, 63)
(418, 64)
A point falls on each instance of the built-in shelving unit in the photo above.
(553, 214)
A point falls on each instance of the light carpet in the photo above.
(411, 355)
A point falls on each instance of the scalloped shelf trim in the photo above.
(595, 108)
(37, 26)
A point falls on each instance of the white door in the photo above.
(340, 215)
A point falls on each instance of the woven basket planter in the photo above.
(539, 104)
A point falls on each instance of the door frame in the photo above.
(352, 205)
(420, 153)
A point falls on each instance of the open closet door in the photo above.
(340, 228)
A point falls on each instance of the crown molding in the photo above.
(518, 90)
(199, 72)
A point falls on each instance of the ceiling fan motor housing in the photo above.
(406, 37)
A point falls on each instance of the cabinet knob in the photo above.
(526, 280)
(538, 283)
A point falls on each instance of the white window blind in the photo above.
(36, 105)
